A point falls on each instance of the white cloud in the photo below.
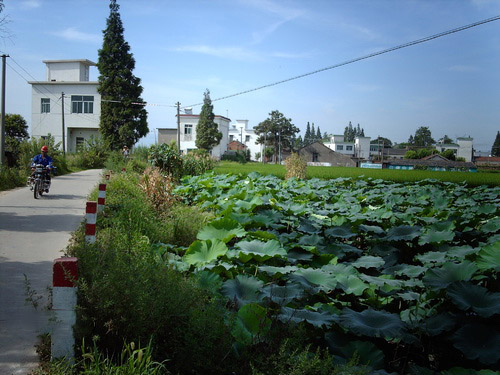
(462, 68)
(235, 53)
(71, 33)
(31, 4)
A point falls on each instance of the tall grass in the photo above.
(472, 179)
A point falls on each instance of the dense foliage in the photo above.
(495, 149)
(123, 118)
(16, 131)
(207, 131)
(404, 275)
(276, 131)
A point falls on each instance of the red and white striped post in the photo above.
(90, 227)
(101, 200)
(64, 277)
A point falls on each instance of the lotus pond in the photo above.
(402, 275)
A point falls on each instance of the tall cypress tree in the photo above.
(207, 132)
(312, 138)
(122, 121)
(495, 149)
(307, 136)
(318, 134)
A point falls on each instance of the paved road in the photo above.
(32, 234)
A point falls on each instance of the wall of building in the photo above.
(465, 148)
(240, 131)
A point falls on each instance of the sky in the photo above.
(183, 47)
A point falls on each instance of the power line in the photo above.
(409, 44)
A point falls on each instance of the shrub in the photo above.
(12, 177)
(167, 158)
(197, 162)
(93, 154)
(158, 189)
(296, 166)
(239, 156)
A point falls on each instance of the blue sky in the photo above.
(182, 47)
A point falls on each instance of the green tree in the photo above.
(16, 131)
(495, 149)
(448, 154)
(276, 131)
(123, 121)
(313, 134)
(307, 136)
(318, 135)
(207, 131)
(386, 142)
(423, 137)
(446, 140)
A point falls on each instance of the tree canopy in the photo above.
(123, 121)
(351, 132)
(207, 132)
(386, 142)
(276, 131)
(422, 137)
(495, 149)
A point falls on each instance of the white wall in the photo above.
(189, 142)
(465, 149)
(240, 131)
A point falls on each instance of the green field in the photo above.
(472, 179)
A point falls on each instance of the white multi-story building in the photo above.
(67, 86)
(462, 149)
(240, 132)
(360, 148)
(188, 123)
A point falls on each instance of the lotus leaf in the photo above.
(410, 270)
(372, 323)
(306, 276)
(371, 229)
(368, 261)
(203, 252)
(491, 226)
(251, 325)
(433, 236)
(461, 252)
(271, 270)
(261, 250)
(317, 319)
(439, 323)
(209, 281)
(440, 278)
(262, 235)
(366, 352)
(223, 229)
(340, 232)
(299, 254)
(310, 240)
(465, 371)
(352, 284)
(478, 341)
(243, 289)
(489, 257)
(283, 295)
(432, 257)
(467, 295)
(403, 233)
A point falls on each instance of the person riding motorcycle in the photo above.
(45, 160)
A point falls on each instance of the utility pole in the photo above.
(63, 127)
(178, 126)
(2, 128)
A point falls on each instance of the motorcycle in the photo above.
(39, 182)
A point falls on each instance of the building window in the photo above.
(231, 138)
(82, 104)
(45, 105)
(348, 148)
(247, 138)
(315, 156)
(79, 143)
(340, 147)
(188, 129)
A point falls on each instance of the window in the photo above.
(247, 138)
(82, 104)
(79, 143)
(188, 129)
(45, 105)
(340, 147)
(315, 156)
(348, 148)
(231, 138)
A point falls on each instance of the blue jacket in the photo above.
(46, 162)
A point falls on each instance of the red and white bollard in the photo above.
(65, 275)
(90, 227)
(101, 200)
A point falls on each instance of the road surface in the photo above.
(32, 234)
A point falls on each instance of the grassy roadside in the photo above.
(471, 179)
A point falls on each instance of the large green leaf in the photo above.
(251, 325)
(203, 252)
(467, 295)
(223, 229)
(307, 276)
(489, 257)
(352, 284)
(261, 250)
(272, 270)
(410, 270)
(209, 280)
(403, 233)
(492, 226)
(440, 278)
(317, 319)
(243, 289)
(340, 232)
(373, 323)
(478, 341)
(434, 236)
(432, 257)
(366, 352)
(283, 295)
(368, 261)
(310, 240)
(439, 323)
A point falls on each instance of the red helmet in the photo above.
(45, 149)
